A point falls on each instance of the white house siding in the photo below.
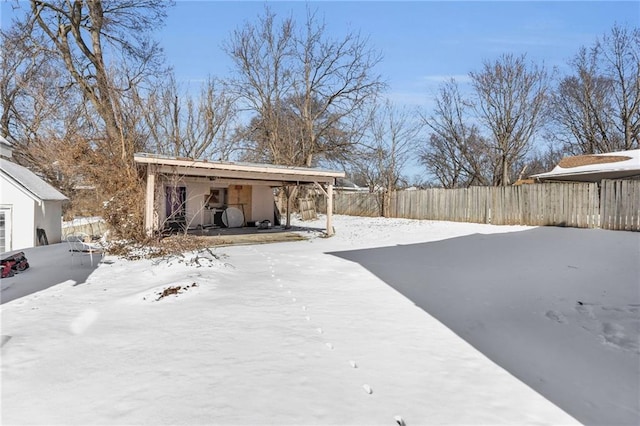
(22, 207)
(196, 192)
(48, 216)
(6, 228)
(160, 202)
(262, 203)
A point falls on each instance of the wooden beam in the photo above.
(149, 226)
(329, 194)
(276, 178)
(321, 189)
(329, 210)
(292, 172)
(229, 181)
(290, 193)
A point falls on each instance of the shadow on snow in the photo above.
(549, 305)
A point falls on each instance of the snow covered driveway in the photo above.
(269, 334)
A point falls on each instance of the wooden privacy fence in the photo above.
(93, 228)
(610, 205)
(307, 208)
(620, 205)
(353, 204)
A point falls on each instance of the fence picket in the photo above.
(610, 205)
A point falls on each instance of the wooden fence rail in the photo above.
(620, 205)
(610, 205)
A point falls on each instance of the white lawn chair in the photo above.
(80, 245)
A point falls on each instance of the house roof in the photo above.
(6, 147)
(345, 184)
(234, 172)
(4, 141)
(30, 182)
(594, 168)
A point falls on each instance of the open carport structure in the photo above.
(197, 192)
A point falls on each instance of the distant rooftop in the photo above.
(595, 167)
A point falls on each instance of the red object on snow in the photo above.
(15, 263)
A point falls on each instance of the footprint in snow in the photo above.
(399, 421)
(556, 316)
(615, 335)
(585, 309)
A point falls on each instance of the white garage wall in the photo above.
(48, 216)
(196, 192)
(262, 203)
(23, 234)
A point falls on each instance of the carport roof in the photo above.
(268, 174)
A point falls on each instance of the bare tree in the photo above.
(620, 53)
(582, 110)
(262, 56)
(455, 152)
(543, 159)
(18, 65)
(392, 138)
(70, 97)
(181, 124)
(86, 35)
(38, 112)
(597, 108)
(336, 80)
(302, 87)
(510, 97)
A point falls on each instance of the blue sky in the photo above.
(422, 42)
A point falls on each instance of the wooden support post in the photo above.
(290, 193)
(329, 209)
(149, 201)
(287, 215)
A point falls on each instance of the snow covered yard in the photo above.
(281, 333)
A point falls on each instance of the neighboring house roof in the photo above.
(594, 168)
(344, 184)
(30, 182)
(234, 171)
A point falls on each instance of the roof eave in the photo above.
(231, 170)
(29, 192)
(587, 176)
